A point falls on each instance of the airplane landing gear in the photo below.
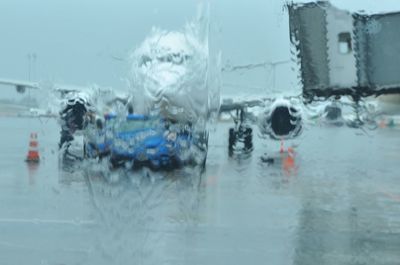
(241, 136)
(362, 116)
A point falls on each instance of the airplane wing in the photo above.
(22, 85)
(108, 95)
(35, 85)
(19, 85)
(63, 89)
(241, 102)
(228, 106)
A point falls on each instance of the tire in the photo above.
(248, 139)
(232, 137)
(203, 163)
(65, 138)
(115, 162)
(232, 141)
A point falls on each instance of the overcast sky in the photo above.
(74, 41)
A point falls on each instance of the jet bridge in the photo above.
(343, 53)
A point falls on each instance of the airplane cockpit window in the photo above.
(144, 60)
(173, 58)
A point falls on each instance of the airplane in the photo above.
(169, 77)
(170, 68)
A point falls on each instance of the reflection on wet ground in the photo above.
(332, 199)
(138, 211)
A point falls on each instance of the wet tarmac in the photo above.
(335, 201)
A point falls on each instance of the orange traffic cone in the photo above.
(33, 152)
(289, 163)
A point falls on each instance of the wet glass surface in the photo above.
(336, 201)
(285, 180)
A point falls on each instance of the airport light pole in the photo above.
(32, 65)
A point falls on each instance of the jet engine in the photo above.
(281, 121)
(73, 116)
